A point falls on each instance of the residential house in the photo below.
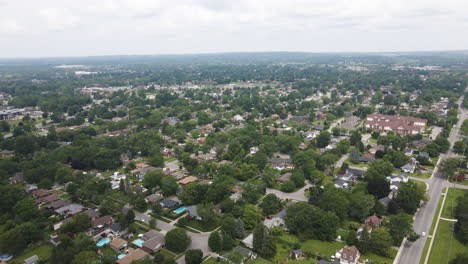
(154, 241)
(93, 214)
(188, 180)
(133, 255)
(409, 167)
(285, 177)
(30, 187)
(281, 164)
(31, 260)
(115, 228)
(17, 179)
(193, 212)
(70, 209)
(297, 254)
(152, 198)
(235, 197)
(348, 255)
(118, 244)
(102, 221)
(40, 192)
(47, 199)
(58, 204)
(248, 241)
(368, 157)
(169, 203)
(402, 177)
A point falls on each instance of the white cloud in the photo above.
(90, 27)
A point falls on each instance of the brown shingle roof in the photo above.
(101, 221)
(135, 255)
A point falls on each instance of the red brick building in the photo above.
(402, 125)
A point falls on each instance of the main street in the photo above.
(410, 252)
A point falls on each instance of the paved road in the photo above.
(298, 195)
(411, 252)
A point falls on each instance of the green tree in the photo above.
(152, 179)
(26, 210)
(177, 240)
(263, 242)
(399, 226)
(251, 216)
(381, 241)
(194, 256)
(169, 186)
(270, 204)
(360, 204)
(323, 139)
(409, 197)
(215, 242)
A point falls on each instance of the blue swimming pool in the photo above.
(139, 242)
(121, 256)
(180, 210)
(103, 242)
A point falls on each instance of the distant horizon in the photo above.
(233, 52)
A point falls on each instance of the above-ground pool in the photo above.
(139, 242)
(180, 210)
(5, 257)
(121, 256)
(103, 242)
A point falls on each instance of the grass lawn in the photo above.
(451, 201)
(210, 261)
(198, 225)
(372, 141)
(426, 247)
(169, 159)
(167, 254)
(420, 175)
(420, 184)
(359, 165)
(445, 246)
(43, 252)
(259, 260)
(377, 259)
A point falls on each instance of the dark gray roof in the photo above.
(385, 201)
(116, 227)
(244, 250)
(169, 203)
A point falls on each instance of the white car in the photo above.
(423, 234)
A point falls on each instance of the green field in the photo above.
(43, 252)
(445, 246)
(451, 202)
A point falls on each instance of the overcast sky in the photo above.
(38, 28)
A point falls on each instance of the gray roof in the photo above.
(31, 260)
(71, 208)
(193, 211)
(244, 250)
(151, 234)
(155, 242)
(169, 203)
